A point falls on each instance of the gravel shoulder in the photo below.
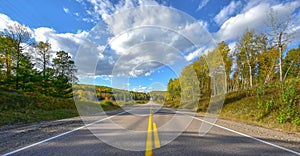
(13, 137)
(284, 139)
(18, 136)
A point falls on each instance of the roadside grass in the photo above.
(277, 108)
(21, 108)
(244, 106)
(239, 106)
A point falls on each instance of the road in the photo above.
(151, 130)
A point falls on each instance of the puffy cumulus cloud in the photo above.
(227, 11)
(5, 21)
(139, 40)
(194, 54)
(153, 55)
(105, 8)
(68, 42)
(253, 18)
(234, 27)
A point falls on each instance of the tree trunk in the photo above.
(288, 70)
(250, 76)
(280, 56)
(8, 71)
(280, 63)
(18, 64)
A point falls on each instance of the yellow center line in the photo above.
(149, 135)
(156, 137)
(151, 127)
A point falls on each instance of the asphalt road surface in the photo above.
(151, 130)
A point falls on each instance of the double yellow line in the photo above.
(151, 128)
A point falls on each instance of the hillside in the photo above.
(271, 106)
(19, 108)
(23, 107)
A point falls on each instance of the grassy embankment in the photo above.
(271, 106)
(19, 108)
(22, 108)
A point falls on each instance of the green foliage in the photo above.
(289, 108)
(174, 89)
(26, 92)
(282, 117)
(103, 94)
(18, 72)
(291, 63)
(17, 107)
(269, 105)
(158, 96)
(296, 120)
(260, 93)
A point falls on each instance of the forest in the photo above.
(38, 83)
(261, 67)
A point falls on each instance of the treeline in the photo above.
(253, 63)
(103, 93)
(158, 96)
(257, 59)
(258, 63)
(27, 66)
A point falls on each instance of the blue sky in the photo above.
(125, 38)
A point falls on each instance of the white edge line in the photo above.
(65, 133)
(245, 135)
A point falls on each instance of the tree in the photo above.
(279, 35)
(64, 66)
(247, 55)
(267, 61)
(174, 89)
(202, 71)
(7, 55)
(19, 34)
(26, 74)
(64, 73)
(43, 62)
(188, 82)
(224, 49)
(43, 51)
(291, 63)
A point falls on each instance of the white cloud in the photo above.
(68, 42)
(227, 11)
(202, 4)
(253, 18)
(148, 73)
(235, 26)
(194, 54)
(106, 77)
(5, 21)
(140, 89)
(140, 40)
(66, 10)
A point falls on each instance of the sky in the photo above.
(140, 44)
